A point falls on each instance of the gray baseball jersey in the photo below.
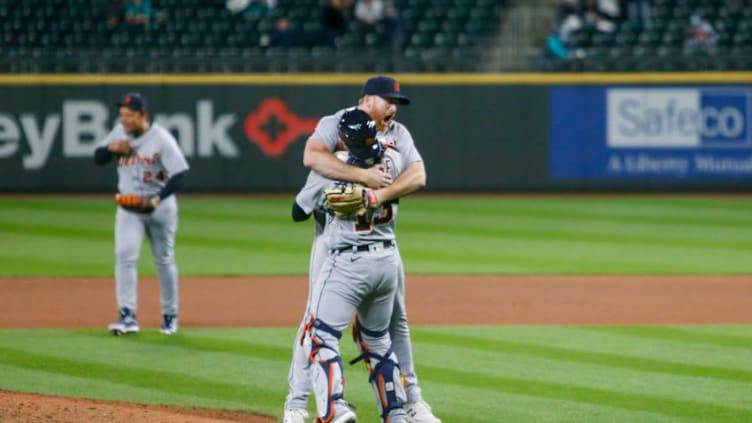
(311, 198)
(155, 158)
(376, 225)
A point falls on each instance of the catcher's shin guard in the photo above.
(385, 375)
(327, 375)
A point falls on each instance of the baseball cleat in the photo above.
(342, 413)
(125, 324)
(347, 416)
(397, 415)
(169, 324)
(295, 416)
(420, 412)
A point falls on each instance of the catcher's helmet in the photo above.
(358, 131)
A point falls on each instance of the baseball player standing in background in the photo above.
(380, 98)
(151, 168)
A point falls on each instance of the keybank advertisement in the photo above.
(232, 142)
(651, 132)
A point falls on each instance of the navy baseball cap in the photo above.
(384, 86)
(134, 101)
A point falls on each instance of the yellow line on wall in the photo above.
(357, 79)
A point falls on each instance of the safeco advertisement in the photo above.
(658, 133)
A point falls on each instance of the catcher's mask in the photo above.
(358, 131)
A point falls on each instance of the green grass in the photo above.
(469, 374)
(437, 235)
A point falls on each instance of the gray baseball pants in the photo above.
(130, 228)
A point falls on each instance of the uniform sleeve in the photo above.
(407, 148)
(326, 132)
(117, 133)
(170, 155)
(310, 196)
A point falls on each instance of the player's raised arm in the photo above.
(413, 179)
(321, 160)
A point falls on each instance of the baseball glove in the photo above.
(133, 201)
(350, 200)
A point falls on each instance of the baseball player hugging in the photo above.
(361, 274)
(151, 169)
(364, 233)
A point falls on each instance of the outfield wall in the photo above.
(476, 132)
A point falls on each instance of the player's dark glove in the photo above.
(134, 202)
(350, 200)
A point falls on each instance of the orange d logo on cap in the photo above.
(134, 101)
(385, 87)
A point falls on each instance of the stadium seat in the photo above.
(199, 29)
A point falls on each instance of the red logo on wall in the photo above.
(273, 127)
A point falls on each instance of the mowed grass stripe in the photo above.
(57, 231)
(38, 381)
(648, 204)
(495, 407)
(83, 233)
(585, 357)
(674, 236)
(277, 245)
(610, 224)
(191, 342)
(421, 256)
(564, 251)
(156, 351)
(229, 238)
(181, 384)
(259, 238)
(599, 397)
(445, 215)
(86, 218)
(564, 257)
(500, 227)
(260, 215)
(677, 334)
(121, 373)
(607, 209)
(739, 330)
(276, 215)
(27, 265)
(712, 210)
(58, 205)
(571, 395)
(473, 262)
